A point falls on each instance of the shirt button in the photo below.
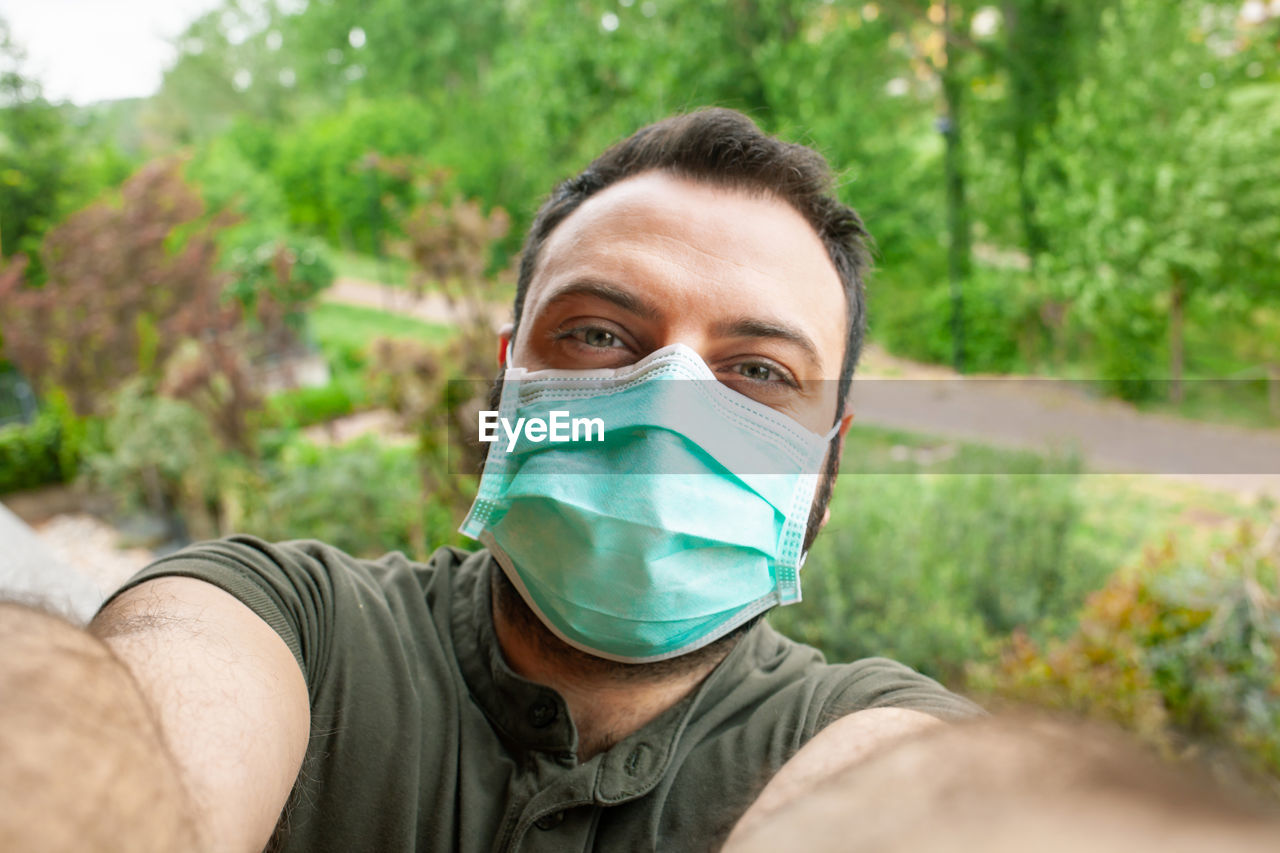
(550, 821)
(542, 714)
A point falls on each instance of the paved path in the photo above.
(430, 308)
(1043, 415)
(1059, 416)
(31, 572)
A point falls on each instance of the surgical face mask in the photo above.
(683, 522)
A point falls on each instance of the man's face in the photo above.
(656, 260)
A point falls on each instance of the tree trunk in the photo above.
(1273, 388)
(1028, 87)
(1177, 310)
(957, 207)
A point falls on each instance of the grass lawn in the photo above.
(394, 271)
(343, 330)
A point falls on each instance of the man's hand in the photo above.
(231, 701)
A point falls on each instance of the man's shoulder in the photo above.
(302, 563)
(316, 596)
(828, 691)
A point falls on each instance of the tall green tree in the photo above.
(35, 154)
(1164, 190)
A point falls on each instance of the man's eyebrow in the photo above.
(753, 328)
(624, 299)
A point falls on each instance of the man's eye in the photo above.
(758, 372)
(597, 337)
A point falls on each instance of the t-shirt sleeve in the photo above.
(883, 683)
(292, 586)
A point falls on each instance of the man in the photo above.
(476, 703)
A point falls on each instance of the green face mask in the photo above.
(684, 520)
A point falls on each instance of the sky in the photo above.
(92, 50)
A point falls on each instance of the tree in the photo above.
(129, 285)
(35, 154)
(1164, 188)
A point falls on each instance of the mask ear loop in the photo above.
(826, 440)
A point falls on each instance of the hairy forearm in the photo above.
(229, 697)
(83, 763)
(1007, 785)
(843, 744)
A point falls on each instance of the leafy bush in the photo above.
(47, 450)
(29, 454)
(302, 407)
(934, 569)
(273, 275)
(363, 498)
(129, 283)
(161, 456)
(331, 188)
(1001, 326)
(1181, 650)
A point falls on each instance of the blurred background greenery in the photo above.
(312, 220)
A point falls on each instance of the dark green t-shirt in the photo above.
(423, 739)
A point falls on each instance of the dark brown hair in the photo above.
(726, 149)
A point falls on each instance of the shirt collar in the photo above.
(531, 716)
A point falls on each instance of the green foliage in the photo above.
(327, 169)
(303, 407)
(30, 454)
(1182, 650)
(156, 449)
(228, 179)
(48, 450)
(362, 498)
(1000, 314)
(227, 70)
(52, 159)
(161, 456)
(128, 283)
(35, 154)
(273, 275)
(1096, 149)
(275, 280)
(933, 569)
(1161, 186)
(344, 332)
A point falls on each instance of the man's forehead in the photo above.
(662, 201)
(744, 237)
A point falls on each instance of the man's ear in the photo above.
(504, 342)
(845, 422)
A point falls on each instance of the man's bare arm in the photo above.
(83, 765)
(1013, 784)
(839, 746)
(229, 696)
